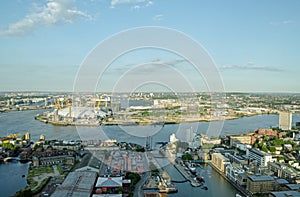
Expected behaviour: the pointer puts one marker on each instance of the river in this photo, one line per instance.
(217, 185)
(23, 121)
(11, 179)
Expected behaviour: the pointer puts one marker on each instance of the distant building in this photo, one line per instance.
(262, 158)
(53, 160)
(196, 143)
(243, 147)
(173, 138)
(219, 161)
(238, 159)
(206, 140)
(77, 184)
(260, 185)
(285, 120)
(115, 106)
(266, 132)
(283, 171)
(112, 185)
(236, 174)
(27, 136)
(240, 139)
(42, 137)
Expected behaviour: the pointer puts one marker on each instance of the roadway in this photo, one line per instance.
(138, 189)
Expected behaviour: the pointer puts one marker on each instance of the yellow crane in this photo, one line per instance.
(57, 103)
(97, 104)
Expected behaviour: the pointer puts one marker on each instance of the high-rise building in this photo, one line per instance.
(285, 120)
(27, 136)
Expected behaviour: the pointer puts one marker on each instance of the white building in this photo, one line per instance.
(236, 174)
(285, 120)
(173, 138)
(262, 158)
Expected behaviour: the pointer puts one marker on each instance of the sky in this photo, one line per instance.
(254, 44)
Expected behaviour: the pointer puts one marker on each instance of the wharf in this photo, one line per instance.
(187, 176)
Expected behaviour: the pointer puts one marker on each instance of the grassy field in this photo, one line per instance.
(36, 172)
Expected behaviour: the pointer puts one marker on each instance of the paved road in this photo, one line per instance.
(138, 190)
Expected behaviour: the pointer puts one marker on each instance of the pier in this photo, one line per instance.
(187, 176)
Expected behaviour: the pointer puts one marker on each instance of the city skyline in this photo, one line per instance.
(253, 44)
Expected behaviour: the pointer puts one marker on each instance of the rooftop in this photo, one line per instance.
(260, 178)
(293, 186)
(109, 182)
(282, 181)
(76, 184)
(258, 152)
(285, 194)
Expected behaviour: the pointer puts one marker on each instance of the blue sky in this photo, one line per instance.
(254, 44)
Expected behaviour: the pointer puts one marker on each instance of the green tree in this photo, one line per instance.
(264, 148)
(24, 193)
(187, 157)
(272, 149)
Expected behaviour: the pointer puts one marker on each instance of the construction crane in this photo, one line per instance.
(69, 107)
(57, 103)
(97, 104)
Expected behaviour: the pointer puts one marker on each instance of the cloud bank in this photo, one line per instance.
(53, 13)
(251, 66)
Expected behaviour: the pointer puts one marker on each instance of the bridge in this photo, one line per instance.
(11, 158)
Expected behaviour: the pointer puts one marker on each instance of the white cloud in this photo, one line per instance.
(136, 7)
(149, 3)
(138, 3)
(251, 66)
(54, 12)
(284, 22)
(115, 2)
(158, 17)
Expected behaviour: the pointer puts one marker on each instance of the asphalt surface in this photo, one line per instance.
(138, 190)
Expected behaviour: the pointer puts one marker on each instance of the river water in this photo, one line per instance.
(217, 185)
(23, 121)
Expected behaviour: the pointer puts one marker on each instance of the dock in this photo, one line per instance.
(187, 176)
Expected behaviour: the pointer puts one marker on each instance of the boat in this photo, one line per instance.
(193, 170)
(204, 187)
(238, 195)
(200, 178)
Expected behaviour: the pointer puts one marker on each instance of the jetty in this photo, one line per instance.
(189, 177)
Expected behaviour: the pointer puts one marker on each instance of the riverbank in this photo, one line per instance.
(241, 190)
(140, 122)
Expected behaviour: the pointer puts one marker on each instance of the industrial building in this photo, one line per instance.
(78, 184)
